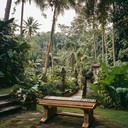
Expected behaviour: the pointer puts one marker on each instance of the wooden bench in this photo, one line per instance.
(50, 104)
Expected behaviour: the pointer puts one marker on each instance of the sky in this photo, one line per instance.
(34, 11)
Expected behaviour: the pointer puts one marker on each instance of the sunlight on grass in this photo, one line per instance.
(39, 108)
(5, 91)
(117, 116)
(3, 126)
(73, 110)
(31, 119)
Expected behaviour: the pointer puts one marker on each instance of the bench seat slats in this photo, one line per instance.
(66, 102)
(67, 105)
(69, 99)
(50, 104)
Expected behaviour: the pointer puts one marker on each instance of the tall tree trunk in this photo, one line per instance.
(94, 40)
(105, 46)
(113, 45)
(113, 40)
(106, 52)
(22, 15)
(103, 42)
(51, 40)
(7, 10)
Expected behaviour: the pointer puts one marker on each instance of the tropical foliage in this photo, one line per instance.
(13, 55)
(112, 86)
(49, 63)
(30, 27)
(120, 20)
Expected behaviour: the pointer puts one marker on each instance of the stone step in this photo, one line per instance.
(9, 110)
(6, 102)
(5, 96)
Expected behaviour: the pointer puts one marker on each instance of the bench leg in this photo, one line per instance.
(49, 112)
(88, 118)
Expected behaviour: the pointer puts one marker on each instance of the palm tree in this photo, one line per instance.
(22, 13)
(7, 10)
(103, 10)
(30, 26)
(87, 12)
(58, 7)
(113, 37)
(91, 6)
(94, 4)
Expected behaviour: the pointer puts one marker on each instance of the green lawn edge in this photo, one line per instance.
(119, 117)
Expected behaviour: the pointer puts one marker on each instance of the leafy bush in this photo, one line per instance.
(13, 55)
(27, 97)
(49, 89)
(70, 84)
(112, 87)
(53, 85)
(32, 87)
(28, 91)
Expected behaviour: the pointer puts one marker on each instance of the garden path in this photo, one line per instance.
(78, 94)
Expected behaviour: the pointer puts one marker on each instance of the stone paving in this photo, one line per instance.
(78, 94)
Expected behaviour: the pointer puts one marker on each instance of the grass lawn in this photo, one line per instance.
(104, 118)
(5, 90)
(118, 117)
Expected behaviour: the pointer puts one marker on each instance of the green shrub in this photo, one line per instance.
(70, 84)
(13, 55)
(26, 96)
(49, 89)
(52, 83)
(112, 87)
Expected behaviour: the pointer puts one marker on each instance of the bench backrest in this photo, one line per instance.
(68, 102)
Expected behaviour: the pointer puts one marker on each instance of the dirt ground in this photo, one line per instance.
(31, 120)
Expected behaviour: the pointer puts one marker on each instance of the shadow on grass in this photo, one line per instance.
(32, 119)
(70, 122)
